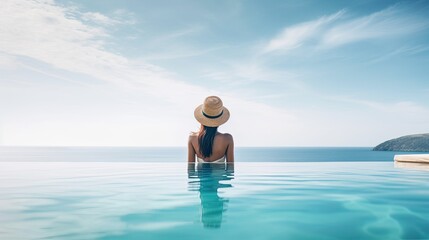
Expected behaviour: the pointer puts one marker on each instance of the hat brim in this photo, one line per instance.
(211, 122)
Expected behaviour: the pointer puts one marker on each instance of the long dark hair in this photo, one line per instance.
(205, 140)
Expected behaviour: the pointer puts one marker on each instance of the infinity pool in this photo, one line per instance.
(323, 200)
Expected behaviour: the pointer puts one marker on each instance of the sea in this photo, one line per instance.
(153, 193)
(179, 154)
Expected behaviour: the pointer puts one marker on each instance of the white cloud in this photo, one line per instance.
(295, 36)
(390, 22)
(179, 34)
(401, 51)
(339, 29)
(52, 34)
(43, 31)
(400, 108)
(99, 18)
(176, 53)
(7, 61)
(125, 16)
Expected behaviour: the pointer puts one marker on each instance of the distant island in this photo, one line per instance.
(409, 143)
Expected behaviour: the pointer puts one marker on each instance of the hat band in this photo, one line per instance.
(212, 117)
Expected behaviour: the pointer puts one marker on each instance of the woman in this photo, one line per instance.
(209, 145)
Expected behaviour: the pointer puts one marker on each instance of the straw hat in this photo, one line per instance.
(212, 113)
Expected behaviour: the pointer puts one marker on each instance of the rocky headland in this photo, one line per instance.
(409, 143)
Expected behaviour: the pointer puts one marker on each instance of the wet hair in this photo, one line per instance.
(205, 140)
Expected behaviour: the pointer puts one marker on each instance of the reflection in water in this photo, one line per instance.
(207, 178)
(412, 165)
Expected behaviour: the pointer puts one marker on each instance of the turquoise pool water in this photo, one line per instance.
(323, 200)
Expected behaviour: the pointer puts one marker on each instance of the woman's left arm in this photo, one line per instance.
(230, 150)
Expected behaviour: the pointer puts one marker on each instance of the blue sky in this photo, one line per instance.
(293, 73)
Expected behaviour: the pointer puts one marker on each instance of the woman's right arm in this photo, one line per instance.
(191, 151)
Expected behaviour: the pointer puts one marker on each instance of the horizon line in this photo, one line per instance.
(181, 146)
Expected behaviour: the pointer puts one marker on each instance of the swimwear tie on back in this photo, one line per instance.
(220, 160)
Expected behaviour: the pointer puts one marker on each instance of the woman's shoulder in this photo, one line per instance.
(193, 135)
(225, 136)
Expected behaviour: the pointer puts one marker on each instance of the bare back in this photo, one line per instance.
(223, 145)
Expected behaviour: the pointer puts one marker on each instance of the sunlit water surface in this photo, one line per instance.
(323, 200)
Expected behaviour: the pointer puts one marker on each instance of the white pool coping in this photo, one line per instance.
(414, 158)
